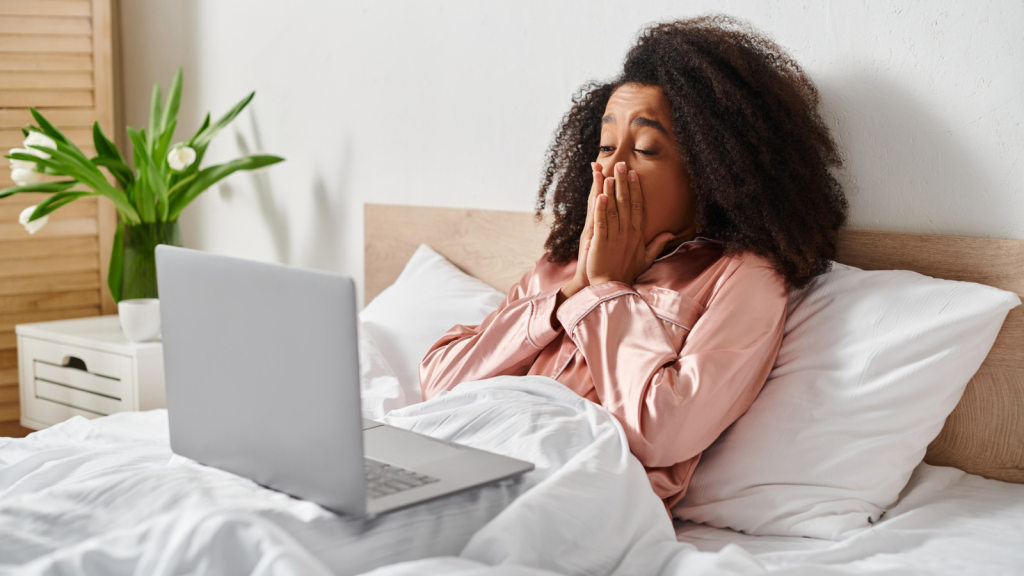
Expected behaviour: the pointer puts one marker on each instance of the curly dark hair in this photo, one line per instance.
(760, 157)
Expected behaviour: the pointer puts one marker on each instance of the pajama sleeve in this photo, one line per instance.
(674, 400)
(506, 343)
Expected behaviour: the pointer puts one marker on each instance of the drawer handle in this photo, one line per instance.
(74, 362)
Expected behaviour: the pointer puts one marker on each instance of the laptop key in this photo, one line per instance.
(384, 479)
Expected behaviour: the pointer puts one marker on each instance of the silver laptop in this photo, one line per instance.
(262, 376)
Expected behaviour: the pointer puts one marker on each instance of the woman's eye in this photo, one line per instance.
(610, 149)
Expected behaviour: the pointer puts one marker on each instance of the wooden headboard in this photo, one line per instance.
(985, 433)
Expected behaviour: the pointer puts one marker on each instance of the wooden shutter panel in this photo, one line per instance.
(56, 56)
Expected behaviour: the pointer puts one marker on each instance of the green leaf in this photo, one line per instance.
(207, 134)
(56, 201)
(130, 192)
(160, 152)
(69, 161)
(46, 127)
(42, 165)
(210, 176)
(23, 156)
(180, 186)
(142, 195)
(154, 112)
(114, 272)
(139, 150)
(160, 188)
(40, 162)
(110, 157)
(51, 167)
(40, 187)
(206, 124)
(74, 162)
(139, 157)
(170, 113)
(119, 169)
(104, 147)
(144, 199)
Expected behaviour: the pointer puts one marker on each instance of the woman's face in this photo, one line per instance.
(637, 129)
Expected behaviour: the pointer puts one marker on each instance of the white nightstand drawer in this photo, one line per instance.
(65, 380)
(47, 413)
(76, 378)
(85, 367)
(100, 363)
(75, 398)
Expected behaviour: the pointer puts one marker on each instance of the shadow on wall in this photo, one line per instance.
(274, 214)
(324, 239)
(904, 170)
(329, 216)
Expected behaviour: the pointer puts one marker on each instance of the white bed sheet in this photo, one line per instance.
(945, 522)
(108, 497)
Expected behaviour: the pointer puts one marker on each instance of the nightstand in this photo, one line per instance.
(85, 367)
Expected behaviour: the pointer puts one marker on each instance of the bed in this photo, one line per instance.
(106, 496)
(978, 436)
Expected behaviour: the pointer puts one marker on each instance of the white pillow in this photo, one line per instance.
(378, 386)
(430, 296)
(871, 365)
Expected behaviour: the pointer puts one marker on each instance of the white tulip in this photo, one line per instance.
(181, 157)
(33, 226)
(23, 171)
(24, 177)
(38, 139)
(21, 164)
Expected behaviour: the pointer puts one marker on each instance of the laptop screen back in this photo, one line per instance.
(262, 373)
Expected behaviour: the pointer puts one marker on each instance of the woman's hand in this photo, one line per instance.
(617, 251)
(580, 280)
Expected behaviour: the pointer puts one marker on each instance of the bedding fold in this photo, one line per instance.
(107, 496)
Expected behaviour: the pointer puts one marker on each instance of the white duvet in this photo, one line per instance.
(108, 497)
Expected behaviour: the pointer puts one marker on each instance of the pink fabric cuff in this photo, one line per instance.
(585, 301)
(539, 332)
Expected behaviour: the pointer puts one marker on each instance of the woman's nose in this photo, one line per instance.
(608, 166)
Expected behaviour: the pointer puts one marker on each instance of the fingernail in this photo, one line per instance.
(620, 167)
(632, 176)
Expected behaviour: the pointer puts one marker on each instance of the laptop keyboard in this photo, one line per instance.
(384, 479)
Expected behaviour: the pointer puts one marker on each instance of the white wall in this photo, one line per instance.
(453, 104)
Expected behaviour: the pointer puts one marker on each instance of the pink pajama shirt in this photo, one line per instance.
(677, 357)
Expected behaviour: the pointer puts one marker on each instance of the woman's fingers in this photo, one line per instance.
(601, 219)
(622, 200)
(636, 197)
(656, 246)
(611, 206)
(596, 188)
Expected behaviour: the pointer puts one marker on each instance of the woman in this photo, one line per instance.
(689, 196)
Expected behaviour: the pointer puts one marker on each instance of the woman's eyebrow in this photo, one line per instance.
(639, 121)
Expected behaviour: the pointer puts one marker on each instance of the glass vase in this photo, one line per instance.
(138, 272)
